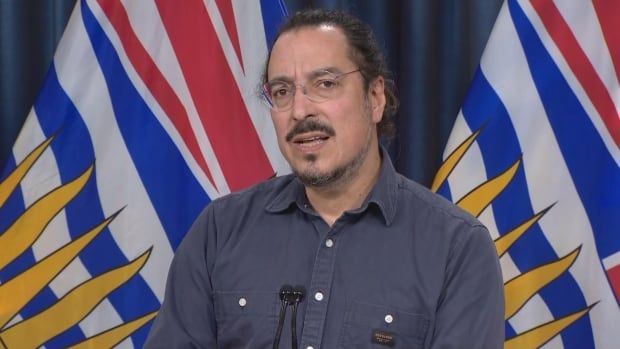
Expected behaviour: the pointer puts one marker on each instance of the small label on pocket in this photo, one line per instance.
(383, 338)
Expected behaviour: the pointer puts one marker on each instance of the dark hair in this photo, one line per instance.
(363, 50)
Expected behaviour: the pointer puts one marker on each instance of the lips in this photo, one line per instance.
(310, 143)
(309, 135)
(310, 138)
(307, 129)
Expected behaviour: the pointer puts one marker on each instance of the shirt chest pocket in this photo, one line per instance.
(373, 326)
(245, 319)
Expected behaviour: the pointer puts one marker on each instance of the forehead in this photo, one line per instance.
(300, 51)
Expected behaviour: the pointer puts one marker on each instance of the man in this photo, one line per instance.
(344, 252)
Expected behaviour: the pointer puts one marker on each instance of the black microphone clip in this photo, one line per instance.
(290, 295)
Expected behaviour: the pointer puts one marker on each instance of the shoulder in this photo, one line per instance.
(415, 196)
(467, 244)
(261, 193)
(228, 213)
(437, 218)
(248, 205)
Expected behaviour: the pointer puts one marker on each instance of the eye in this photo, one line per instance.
(326, 84)
(279, 91)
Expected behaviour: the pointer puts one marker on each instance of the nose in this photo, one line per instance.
(301, 104)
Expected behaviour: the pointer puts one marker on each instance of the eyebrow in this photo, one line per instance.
(310, 76)
(323, 71)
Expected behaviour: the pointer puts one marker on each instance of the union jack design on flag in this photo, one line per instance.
(148, 112)
(535, 154)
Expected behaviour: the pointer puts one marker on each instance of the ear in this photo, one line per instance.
(376, 96)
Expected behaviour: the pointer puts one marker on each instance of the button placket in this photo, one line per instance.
(320, 286)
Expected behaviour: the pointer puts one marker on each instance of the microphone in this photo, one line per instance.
(297, 295)
(288, 296)
(292, 295)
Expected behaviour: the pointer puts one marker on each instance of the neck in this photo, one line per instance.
(333, 200)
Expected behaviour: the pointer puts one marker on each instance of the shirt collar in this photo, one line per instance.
(383, 194)
(293, 192)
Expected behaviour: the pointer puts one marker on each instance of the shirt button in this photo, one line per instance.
(388, 318)
(329, 242)
(242, 302)
(318, 296)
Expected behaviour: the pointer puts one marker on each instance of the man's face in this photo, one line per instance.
(328, 141)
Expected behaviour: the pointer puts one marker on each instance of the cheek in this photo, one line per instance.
(279, 126)
(352, 120)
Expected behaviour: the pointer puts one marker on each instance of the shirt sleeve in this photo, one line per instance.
(186, 318)
(470, 311)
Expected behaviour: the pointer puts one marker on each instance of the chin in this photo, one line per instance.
(321, 177)
(308, 170)
(301, 162)
(310, 158)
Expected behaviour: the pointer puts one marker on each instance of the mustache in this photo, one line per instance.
(309, 125)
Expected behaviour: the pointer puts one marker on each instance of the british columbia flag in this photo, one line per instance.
(149, 111)
(535, 154)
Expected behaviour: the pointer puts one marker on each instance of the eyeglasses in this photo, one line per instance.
(323, 85)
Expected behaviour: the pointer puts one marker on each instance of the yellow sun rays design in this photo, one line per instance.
(523, 287)
(77, 303)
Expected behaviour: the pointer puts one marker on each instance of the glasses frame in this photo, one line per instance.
(267, 95)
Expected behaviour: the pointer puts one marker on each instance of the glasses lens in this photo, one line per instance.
(324, 88)
(279, 93)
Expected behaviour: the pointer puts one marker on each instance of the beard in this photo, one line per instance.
(313, 177)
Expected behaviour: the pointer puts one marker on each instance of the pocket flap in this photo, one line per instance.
(388, 318)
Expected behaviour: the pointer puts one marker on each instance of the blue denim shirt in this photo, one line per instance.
(408, 269)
